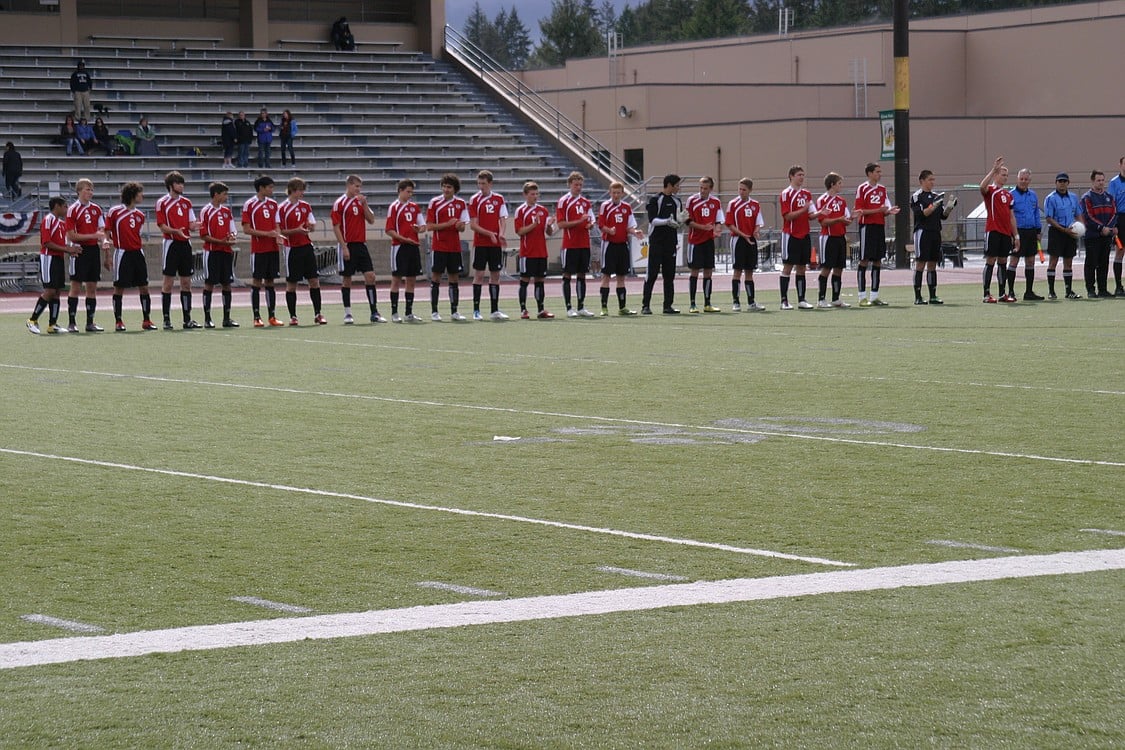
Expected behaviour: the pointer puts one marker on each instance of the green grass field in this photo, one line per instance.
(871, 438)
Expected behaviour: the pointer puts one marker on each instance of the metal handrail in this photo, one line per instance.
(567, 134)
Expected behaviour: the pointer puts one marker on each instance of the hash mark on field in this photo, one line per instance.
(72, 625)
(565, 415)
(641, 573)
(1110, 532)
(466, 590)
(279, 606)
(436, 508)
(970, 545)
(530, 609)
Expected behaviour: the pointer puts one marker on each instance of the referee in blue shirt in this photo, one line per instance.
(1025, 207)
(1061, 210)
(1116, 188)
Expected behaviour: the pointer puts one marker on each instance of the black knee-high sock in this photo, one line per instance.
(1028, 279)
(917, 283)
(692, 286)
(931, 282)
(580, 287)
(540, 295)
(409, 303)
(566, 292)
(291, 302)
(117, 307)
(146, 306)
(822, 287)
(750, 291)
(40, 305)
(837, 283)
(861, 280)
(256, 301)
(734, 286)
(207, 296)
(314, 297)
(394, 303)
(53, 308)
(226, 304)
(454, 296)
(476, 296)
(605, 296)
(494, 296)
(801, 288)
(784, 283)
(1051, 280)
(372, 301)
(185, 305)
(1068, 279)
(91, 308)
(707, 287)
(346, 296)
(72, 309)
(523, 294)
(621, 297)
(1117, 272)
(166, 304)
(271, 301)
(1010, 275)
(434, 289)
(876, 273)
(987, 279)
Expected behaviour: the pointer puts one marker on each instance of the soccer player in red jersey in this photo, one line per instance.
(124, 223)
(350, 216)
(446, 216)
(218, 234)
(404, 219)
(796, 246)
(85, 227)
(872, 207)
(616, 222)
(53, 247)
(488, 214)
(533, 224)
(744, 217)
(575, 216)
(176, 219)
(1001, 235)
(296, 218)
(259, 220)
(834, 217)
(704, 222)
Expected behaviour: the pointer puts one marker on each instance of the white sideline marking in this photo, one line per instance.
(437, 508)
(352, 624)
(1111, 532)
(970, 545)
(56, 622)
(583, 417)
(640, 573)
(467, 590)
(963, 384)
(279, 606)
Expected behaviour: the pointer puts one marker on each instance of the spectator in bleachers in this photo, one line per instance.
(244, 136)
(341, 36)
(228, 135)
(265, 128)
(13, 170)
(145, 137)
(287, 129)
(68, 136)
(104, 139)
(80, 84)
(86, 134)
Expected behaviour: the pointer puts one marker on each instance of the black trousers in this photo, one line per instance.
(661, 261)
(1096, 267)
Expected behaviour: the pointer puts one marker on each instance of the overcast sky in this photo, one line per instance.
(531, 11)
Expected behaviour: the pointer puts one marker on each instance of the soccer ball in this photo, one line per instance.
(1078, 228)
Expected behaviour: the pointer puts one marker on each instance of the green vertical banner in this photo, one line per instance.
(887, 134)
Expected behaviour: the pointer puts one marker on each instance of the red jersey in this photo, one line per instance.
(261, 215)
(534, 243)
(615, 220)
(85, 218)
(403, 218)
(348, 214)
(216, 221)
(175, 211)
(796, 199)
(745, 215)
(292, 215)
(440, 211)
(124, 226)
(53, 229)
(868, 197)
(487, 211)
(703, 211)
(571, 208)
(830, 206)
(998, 204)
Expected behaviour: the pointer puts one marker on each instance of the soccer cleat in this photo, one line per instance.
(711, 309)
(988, 299)
(785, 305)
(396, 318)
(498, 316)
(1052, 296)
(458, 317)
(168, 325)
(604, 313)
(348, 319)
(72, 328)
(525, 315)
(877, 302)
(840, 303)
(671, 311)
(294, 322)
(544, 315)
(93, 328)
(119, 327)
(1073, 295)
(228, 323)
(275, 323)
(377, 318)
(259, 323)
(823, 304)
(320, 320)
(921, 301)
(148, 325)
(477, 315)
(936, 301)
(584, 313)
(33, 326)
(412, 318)
(208, 324)
(53, 329)
(865, 302)
(625, 312)
(1105, 295)
(804, 305)
(736, 307)
(646, 310)
(693, 310)
(571, 312)
(1032, 297)
(1119, 292)
(191, 325)
(755, 307)
(1007, 298)
(436, 317)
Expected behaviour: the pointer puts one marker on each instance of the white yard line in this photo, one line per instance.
(353, 624)
(1109, 532)
(56, 622)
(436, 508)
(466, 590)
(970, 545)
(581, 417)
(640, 573)
(267, 604)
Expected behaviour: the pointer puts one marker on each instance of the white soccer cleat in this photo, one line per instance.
(840, 303)
(396, 318)
(348, 319)
(584, 313)
(436, 317)
(571, 312)
(823, 304)
(804, 305)
(458, 317)
(498, 316)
